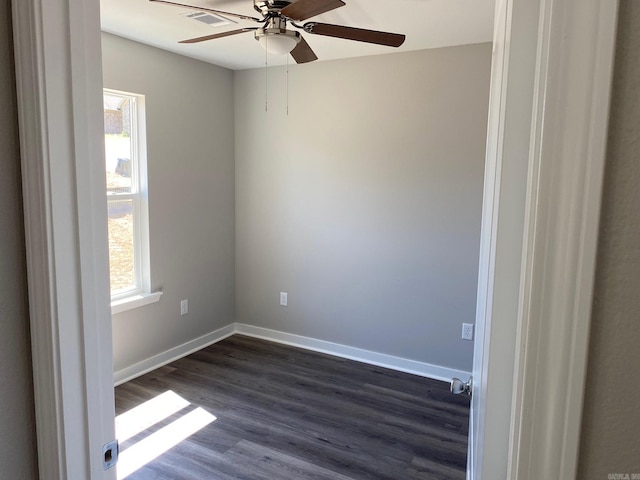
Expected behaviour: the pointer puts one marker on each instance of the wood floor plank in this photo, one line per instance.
(323, 427)
(288, 413)
(428, 469)
(275, 464)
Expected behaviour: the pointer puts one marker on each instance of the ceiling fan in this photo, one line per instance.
(276, 14)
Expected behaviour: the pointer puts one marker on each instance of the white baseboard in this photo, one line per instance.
(423, 369)
(173, 354)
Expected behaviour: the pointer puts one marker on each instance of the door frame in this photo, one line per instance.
(548, 120)
(59, 89)
(59, 82)
(576, 51)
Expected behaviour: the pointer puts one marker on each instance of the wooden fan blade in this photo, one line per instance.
(357, 34)
(205, 9)
(303, 9)
(303, 53)
(217, 35)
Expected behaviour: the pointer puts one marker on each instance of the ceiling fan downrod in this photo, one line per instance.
(270, 7)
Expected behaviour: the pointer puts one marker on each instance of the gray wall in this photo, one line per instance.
(17, 441)
(611, 423)
(364, 202)
(189, 107)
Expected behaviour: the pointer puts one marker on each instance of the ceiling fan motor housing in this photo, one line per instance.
(265, 7)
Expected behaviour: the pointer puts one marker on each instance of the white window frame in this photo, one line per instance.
(140, 294)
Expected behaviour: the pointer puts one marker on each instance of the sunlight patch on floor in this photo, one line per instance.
(140, 418)
(147, 414)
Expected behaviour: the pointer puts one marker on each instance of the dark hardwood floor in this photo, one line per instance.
(287, 413)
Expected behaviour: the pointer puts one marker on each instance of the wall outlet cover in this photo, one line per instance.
(467, 331)
(284, 299)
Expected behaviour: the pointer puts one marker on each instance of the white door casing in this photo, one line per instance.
(551, 83)
(59, 86)
(59, 89)
(509, 127)
(576, 49)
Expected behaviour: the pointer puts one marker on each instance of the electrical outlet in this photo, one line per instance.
(283, 299)
(184, 307)
(467, 331)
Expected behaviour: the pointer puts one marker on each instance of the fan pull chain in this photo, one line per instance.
(287, 85)
(266, 77)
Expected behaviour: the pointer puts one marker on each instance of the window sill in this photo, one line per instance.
(134, 301)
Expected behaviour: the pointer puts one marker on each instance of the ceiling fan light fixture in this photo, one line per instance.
(277, 41)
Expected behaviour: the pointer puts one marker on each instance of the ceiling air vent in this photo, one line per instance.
(208, 18)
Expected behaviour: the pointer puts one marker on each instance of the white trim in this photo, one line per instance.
(173, 354)
(575, 65)
(422, 369)
(501, 250)
(488, 235)
(352, 353)
(41, 277)
(134, 301)
(59, 80)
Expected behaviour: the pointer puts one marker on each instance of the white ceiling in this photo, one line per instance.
(426, 23)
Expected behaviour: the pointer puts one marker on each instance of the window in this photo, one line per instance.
(126, 188)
